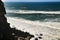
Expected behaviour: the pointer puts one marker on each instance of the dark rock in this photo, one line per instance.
(40, 37)
(7, 33)
(36, 38)
(20, 33)
(41, 34)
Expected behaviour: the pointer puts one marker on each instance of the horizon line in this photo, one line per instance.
(21, 1)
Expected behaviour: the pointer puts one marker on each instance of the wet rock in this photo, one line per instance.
(40, 37)
(36, 38)
(41, 34)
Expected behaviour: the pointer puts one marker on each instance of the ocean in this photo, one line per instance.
(41, 11)
(35, 18)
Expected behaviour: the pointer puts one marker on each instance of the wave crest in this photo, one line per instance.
(32, 12)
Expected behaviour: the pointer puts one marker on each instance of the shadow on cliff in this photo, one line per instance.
(7, 33)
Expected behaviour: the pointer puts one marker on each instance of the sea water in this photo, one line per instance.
(35, 18)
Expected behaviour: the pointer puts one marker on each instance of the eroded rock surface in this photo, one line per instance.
(7, 33)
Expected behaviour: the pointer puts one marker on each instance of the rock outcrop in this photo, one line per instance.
(7, 33)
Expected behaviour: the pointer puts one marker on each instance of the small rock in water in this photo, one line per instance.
(41, 34)
(40, 37)
(36, 38)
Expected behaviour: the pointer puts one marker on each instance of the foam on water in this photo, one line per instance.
(50, 30)
(32, 11)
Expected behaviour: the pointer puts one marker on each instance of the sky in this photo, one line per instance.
(31, 0)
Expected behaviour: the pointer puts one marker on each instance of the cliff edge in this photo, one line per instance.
(7, 33)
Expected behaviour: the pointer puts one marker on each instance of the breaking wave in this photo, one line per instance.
(32, 12)
(50, 30)
(47, 24)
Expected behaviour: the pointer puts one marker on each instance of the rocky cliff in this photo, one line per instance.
(7, 33)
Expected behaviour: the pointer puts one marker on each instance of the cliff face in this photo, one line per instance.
(7, 33)
(4, 26)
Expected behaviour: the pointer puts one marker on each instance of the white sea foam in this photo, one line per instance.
(50, 30)
(52, 20)
(31, 12)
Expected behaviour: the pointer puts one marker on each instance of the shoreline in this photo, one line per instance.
(28, 26)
